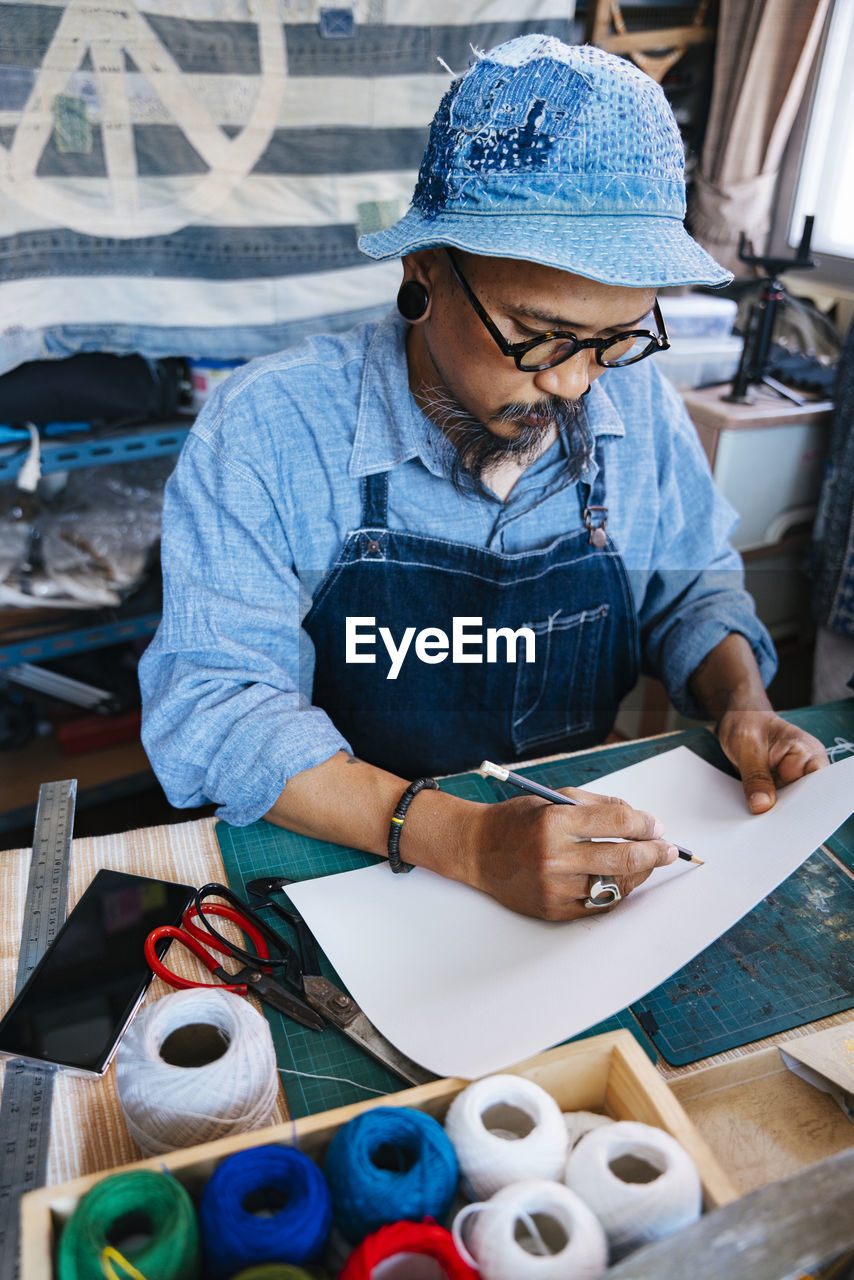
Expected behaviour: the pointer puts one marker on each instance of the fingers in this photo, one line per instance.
(578, 889)
(539, 858)
(768, 751)
(744, 738)
(800, 755)
(603, 818)
(627, 864)
(636, 858)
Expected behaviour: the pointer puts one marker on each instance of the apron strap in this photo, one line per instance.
(594, 513)
(375, 501)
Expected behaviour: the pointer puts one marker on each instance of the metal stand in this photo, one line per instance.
(752, 369)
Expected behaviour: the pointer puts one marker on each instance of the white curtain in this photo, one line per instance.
(764, 52)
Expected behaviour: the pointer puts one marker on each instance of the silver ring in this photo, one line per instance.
(603, 892)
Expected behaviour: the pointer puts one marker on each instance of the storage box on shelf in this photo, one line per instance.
(703, 348)
(608, 1073)
(767, 458)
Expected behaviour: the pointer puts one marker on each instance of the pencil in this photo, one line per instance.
(490, 770)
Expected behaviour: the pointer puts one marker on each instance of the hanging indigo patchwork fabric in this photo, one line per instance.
(833, 532)
(191, 180)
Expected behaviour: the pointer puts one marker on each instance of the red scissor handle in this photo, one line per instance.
(191, 915)
(199, 941)
(186, 940)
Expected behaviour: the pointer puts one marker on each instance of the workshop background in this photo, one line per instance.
(182, 185)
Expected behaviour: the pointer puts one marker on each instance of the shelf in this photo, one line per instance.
(71, 454)
(101, 775)
(43, 648)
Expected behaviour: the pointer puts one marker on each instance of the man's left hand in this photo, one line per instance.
(768, 752)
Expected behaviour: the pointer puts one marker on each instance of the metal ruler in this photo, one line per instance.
(27, 1089)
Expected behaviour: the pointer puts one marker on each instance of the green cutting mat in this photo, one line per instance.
(786, 963)
(324, 1069)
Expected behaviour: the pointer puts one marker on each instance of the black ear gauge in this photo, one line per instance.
(412, 300)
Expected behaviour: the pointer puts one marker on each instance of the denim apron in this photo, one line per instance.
(448, 716)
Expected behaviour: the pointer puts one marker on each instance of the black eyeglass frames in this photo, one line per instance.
(549, 349)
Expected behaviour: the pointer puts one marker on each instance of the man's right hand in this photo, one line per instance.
(538, 858)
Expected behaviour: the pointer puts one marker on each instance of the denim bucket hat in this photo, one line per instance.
(558, 154)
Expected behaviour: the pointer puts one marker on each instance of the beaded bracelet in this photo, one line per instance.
(397, 821)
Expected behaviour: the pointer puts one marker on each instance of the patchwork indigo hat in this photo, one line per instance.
(558, 154)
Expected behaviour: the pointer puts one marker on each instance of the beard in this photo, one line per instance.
(477, 449)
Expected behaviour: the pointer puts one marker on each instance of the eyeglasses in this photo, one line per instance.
(549, 349)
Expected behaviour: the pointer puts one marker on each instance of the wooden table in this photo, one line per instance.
(760, 1120)
(87, 1129)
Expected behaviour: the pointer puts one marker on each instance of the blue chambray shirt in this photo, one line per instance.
(267, 487)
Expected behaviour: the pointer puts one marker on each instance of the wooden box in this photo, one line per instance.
(761, 1119)
(608, 1073)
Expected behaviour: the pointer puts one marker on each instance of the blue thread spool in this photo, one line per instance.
(277, 1181)
(389, 1164)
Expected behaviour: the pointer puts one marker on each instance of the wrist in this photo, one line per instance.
(437, 834)
(728, 679)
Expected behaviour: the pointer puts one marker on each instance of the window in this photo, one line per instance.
(818, 169)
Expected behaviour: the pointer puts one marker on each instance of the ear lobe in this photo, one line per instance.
(413, 300)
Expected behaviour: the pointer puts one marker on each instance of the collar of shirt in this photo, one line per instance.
(384, 440)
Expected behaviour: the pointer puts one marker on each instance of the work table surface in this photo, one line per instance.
(87, 1129)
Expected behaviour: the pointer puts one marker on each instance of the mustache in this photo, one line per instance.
(477, 449)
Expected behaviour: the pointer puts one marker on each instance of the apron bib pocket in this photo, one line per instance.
(555, 697)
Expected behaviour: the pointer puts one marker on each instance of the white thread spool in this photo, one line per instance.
(505, 1129)
(580, 1122)
(534, 1230)
(641, 1184)
(218, 1075)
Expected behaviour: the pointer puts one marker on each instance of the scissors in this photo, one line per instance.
(302, 973)
(250, 978)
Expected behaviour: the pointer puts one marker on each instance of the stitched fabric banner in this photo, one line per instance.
(189, 177)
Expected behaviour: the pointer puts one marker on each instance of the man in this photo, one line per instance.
(462, 533)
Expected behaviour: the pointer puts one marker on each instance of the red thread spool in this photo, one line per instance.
(426, 1239)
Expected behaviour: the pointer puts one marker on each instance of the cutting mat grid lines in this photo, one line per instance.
(789, 962)
(261, 849)
(716, 1003)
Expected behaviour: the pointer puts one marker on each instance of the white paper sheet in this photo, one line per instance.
(466, 987)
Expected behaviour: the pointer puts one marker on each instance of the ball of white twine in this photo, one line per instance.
(168, 1106)
(641, 1184)
(580, 1122)
(504, 1129)
(534, 1230)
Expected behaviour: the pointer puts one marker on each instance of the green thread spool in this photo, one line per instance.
(147, 1215)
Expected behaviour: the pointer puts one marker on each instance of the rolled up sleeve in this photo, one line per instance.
(225, 720)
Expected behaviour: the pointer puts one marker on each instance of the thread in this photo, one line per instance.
(408, 1251)
(580, 1122)
(195, 1066)
(388, 1164)
(110, 1258)
(504, 1129)
(279, 1182)
(145, 1217)
(641, 1184)
(533, 1230)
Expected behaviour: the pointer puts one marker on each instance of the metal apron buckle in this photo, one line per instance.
(596, 535)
